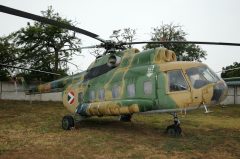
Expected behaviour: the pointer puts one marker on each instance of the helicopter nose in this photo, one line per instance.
(219, 92)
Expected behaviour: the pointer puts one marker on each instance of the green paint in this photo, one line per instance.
(138, 69)
(165, 102)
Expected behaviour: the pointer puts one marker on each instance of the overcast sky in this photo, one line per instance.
(203, 20)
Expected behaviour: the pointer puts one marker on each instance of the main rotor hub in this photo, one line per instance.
(110, 45)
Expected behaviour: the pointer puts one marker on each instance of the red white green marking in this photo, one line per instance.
(70, 97)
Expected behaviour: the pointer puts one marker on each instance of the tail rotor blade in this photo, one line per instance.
(5, 65)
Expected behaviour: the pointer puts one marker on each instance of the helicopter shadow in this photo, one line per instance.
(115, 126)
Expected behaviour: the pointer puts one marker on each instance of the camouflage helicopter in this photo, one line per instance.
(123, 81)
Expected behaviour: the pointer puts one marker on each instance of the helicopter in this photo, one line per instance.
(122, 81)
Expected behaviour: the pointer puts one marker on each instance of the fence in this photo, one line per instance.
(13, 91)
(233, 95)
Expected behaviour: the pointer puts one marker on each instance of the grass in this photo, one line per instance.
(34, 131)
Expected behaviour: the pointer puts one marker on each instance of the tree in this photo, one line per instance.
(8, 56)
(46, 47)
(171, 32)
(231, 71)
(124, 35)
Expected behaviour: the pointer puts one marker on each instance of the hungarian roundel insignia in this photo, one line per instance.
(70, 97)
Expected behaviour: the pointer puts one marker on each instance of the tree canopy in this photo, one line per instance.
(8, 55)
(231, 71)
(124, 35)
(46, 47)
(171, 32)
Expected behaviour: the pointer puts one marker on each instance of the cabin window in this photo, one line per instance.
(91, 95)
(201, 76)
(147, 86)
(101, 94)
(176, 81)
(131, 90)
(115, 91)
(80, 97)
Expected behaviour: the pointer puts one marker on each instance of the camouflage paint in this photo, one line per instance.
(135, 68)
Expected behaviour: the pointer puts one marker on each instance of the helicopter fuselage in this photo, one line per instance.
(130, 82)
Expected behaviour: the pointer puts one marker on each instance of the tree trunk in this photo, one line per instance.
(56, 61)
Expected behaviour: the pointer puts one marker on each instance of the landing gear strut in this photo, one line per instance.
(174, 129)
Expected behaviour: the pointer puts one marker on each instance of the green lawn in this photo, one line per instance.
(34, 131)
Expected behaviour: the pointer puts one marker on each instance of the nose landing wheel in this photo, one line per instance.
(174, 129)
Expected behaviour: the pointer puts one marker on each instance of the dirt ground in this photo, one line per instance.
(34, 131)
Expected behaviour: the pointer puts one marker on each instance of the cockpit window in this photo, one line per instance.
(201, 76)
(176, 81)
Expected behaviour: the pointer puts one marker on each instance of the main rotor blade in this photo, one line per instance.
(181, 42)
(5, 65)
(231, 79)
(27, 15)
(91, 47)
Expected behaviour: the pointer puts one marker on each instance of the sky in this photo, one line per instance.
(205, 20)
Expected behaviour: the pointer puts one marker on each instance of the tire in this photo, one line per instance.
(174, 130)
(67, 122)
(126, 118)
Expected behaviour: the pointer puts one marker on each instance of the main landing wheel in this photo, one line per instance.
(126, 118)
(67, 122)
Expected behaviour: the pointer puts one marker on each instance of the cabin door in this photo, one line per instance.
(178, 89)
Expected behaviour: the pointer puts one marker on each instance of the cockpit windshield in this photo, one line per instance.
(201, 76)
